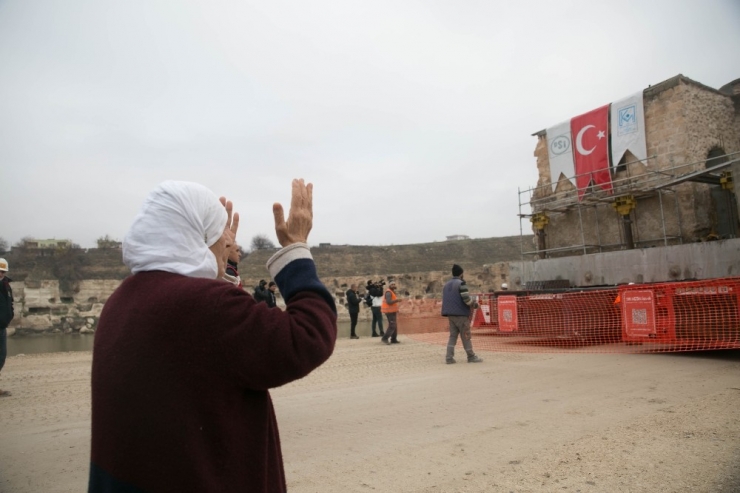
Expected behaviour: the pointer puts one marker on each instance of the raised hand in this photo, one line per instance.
(232, 226)
(300, 218)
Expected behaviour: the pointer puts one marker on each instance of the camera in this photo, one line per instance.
(375, 288)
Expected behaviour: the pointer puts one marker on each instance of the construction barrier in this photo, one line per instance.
(657, 317)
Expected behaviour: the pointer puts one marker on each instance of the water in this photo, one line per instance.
(56, 343)
(49, 343)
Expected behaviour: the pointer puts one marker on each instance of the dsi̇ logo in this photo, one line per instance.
(560, 145)
(627, 122)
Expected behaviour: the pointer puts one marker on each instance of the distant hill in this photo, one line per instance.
(68, 265)
(373, 261)
(331, 261)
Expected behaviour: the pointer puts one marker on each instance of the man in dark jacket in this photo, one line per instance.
(260, 292)
(6, 314)
(353, 307)
(456, 304)
(270, 298)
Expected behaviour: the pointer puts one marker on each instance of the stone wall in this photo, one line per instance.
(705, 260)
(418, 285)
(684, 120)
(40, 306)
(44, 304)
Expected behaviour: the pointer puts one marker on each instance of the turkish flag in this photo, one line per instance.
(590, 150)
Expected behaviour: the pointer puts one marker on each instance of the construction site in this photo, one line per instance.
(646, 261)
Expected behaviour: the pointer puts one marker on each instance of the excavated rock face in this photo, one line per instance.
(46, 304)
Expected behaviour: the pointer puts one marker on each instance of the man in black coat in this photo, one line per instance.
(270, 295)
(353, 307)
(260, 292)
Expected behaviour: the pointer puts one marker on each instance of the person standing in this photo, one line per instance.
(270, 298)
(183, 361)
(232, 266)
(456, 304)
(353, 307)
(6, 315)
(260, 292)
(376, 293)
(390, 306)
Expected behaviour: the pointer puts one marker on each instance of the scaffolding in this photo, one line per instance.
(627, 189)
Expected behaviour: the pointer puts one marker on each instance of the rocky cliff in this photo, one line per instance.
(65, 291)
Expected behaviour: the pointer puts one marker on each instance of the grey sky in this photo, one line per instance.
(412, 119)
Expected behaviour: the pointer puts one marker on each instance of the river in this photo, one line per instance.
(55, 343)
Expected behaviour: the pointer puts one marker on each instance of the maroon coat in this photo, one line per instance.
(181, 368)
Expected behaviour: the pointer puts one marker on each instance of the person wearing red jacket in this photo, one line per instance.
(183, 361)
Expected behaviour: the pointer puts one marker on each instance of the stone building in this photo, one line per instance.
(44, 248)
(51, 244)
(683, 192)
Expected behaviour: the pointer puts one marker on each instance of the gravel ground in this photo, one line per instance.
(397, 419)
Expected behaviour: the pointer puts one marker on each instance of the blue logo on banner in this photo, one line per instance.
(627, 120)
(560, 145)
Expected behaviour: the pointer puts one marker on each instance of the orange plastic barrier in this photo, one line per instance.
(660, 317)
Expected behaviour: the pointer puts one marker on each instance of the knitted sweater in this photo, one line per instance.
(180, 379)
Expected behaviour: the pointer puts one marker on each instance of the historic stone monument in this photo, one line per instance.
(683, 192)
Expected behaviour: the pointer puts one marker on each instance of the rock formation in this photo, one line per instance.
(66, 292)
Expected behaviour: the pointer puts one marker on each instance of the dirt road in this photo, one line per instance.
(397, 419)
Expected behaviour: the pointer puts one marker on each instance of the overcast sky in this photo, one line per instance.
(413, 119)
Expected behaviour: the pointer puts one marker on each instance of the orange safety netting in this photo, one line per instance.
(634, 318)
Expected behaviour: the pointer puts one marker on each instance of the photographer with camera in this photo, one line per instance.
(375, 298)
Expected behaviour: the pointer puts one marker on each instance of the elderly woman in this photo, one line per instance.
(183, 360)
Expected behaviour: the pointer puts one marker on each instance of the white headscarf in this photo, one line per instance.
(173, 230)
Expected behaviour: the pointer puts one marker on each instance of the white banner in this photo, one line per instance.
(560, 152)
(628, 128)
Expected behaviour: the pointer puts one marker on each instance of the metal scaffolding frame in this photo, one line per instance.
(652, 183)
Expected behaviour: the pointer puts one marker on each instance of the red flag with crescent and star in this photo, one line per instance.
(590, 149)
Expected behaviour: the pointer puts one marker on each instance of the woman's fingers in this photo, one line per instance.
(235, 223)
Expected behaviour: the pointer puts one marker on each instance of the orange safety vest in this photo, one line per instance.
(386, 308)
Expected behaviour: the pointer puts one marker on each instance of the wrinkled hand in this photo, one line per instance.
(232, 226)
(234, 255)
(300, 218)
